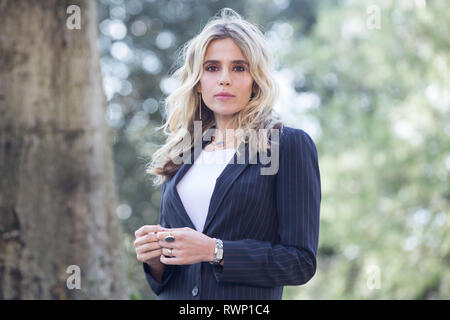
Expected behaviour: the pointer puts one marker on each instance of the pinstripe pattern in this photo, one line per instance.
(269, 225)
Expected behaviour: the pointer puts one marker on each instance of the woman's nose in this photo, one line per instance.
(224, 78)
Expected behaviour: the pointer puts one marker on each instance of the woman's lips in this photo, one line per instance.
(218, 97)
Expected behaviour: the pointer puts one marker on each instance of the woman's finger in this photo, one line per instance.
(168, 261)
(151, 237)
(148, 247)
(149, 255)
(162, 235)
(146, 229)
(169, 252)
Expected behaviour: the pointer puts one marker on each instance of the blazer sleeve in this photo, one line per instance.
(156, 286)
(292, 261)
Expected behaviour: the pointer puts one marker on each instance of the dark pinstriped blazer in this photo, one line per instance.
(269, 225)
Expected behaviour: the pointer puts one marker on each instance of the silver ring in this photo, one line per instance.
(170, 251)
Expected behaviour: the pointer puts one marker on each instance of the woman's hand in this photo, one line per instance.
(189, 247)
(147, 247)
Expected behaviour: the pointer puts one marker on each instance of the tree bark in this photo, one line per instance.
(57, 194)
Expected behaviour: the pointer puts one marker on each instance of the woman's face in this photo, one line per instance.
(225, 70)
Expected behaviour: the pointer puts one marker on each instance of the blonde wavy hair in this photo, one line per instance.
(184, 105)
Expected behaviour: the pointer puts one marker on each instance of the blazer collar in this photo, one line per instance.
(223, 183)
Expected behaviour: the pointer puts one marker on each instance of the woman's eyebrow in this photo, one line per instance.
(234, 61)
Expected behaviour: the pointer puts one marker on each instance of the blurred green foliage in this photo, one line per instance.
(369, 82)
(384, 148)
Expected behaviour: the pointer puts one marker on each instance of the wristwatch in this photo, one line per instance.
(218, 253)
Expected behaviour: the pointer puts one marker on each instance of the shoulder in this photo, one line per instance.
(295, 138)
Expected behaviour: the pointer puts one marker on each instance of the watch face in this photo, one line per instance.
(220, 254)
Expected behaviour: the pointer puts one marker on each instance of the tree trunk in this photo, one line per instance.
(57, 195)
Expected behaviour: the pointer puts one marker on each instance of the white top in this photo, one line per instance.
(197, 185)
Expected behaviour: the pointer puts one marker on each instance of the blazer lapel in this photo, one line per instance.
(180, 215)
(223, 183)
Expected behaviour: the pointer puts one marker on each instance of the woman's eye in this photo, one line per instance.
(238, 68)
(241, 68)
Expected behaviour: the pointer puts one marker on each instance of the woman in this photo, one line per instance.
(230, 231)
